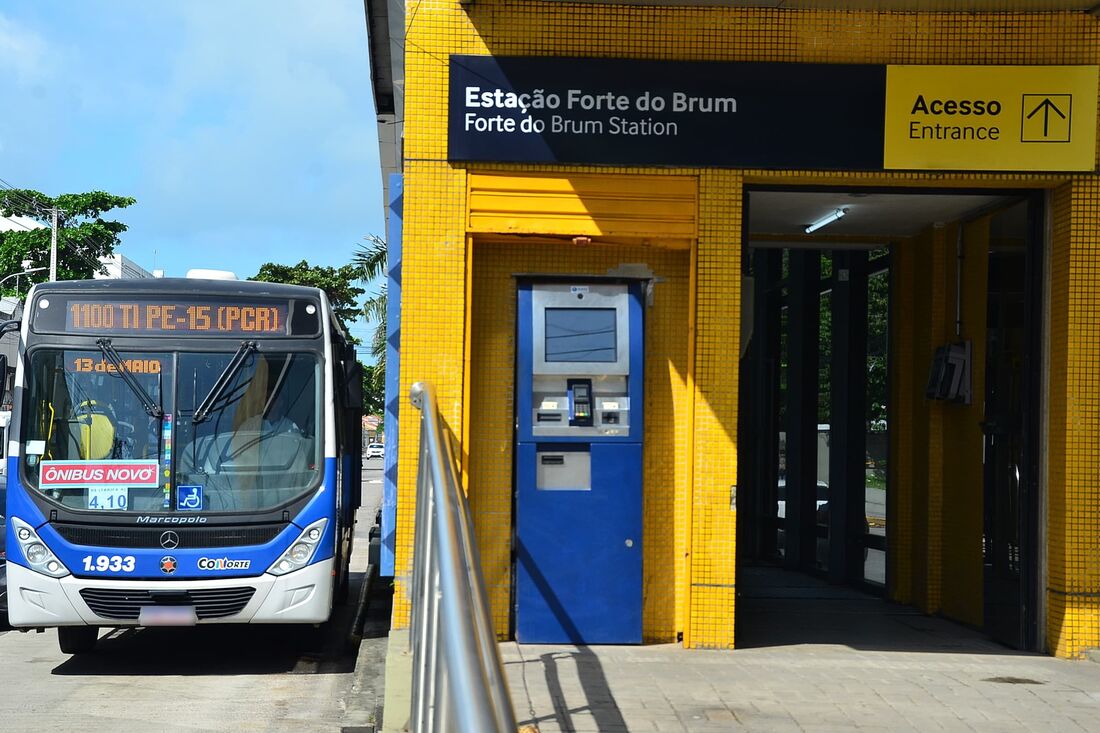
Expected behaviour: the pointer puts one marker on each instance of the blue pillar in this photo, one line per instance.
(393, 373)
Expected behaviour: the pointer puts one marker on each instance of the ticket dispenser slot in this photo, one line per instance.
(559, 470)
(578, 457)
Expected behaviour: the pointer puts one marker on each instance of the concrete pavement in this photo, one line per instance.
(798, 688)
(811, 657)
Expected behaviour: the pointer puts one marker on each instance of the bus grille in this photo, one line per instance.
(141, 537)
(126, 604)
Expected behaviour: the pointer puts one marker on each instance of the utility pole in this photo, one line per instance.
(53, 245)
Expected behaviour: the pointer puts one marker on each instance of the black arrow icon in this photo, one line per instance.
(1046, 106)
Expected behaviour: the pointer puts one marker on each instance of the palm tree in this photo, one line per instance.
(371, 261)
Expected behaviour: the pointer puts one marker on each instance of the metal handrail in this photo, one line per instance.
(458, 679)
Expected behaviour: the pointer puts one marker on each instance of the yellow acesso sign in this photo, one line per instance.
(991, 118)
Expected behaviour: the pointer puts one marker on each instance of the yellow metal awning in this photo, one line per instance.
(635, 207)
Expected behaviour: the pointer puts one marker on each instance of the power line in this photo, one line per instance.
(96, 265)
(85, 240)
(22, 198)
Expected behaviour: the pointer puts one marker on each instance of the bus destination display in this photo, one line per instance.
(182, 317)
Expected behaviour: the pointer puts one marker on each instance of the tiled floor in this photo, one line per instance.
(811, 657)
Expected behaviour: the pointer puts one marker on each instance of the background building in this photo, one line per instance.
(121, 267)
(531, 145)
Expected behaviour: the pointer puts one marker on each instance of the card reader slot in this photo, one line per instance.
(552, 460)
(548, 416)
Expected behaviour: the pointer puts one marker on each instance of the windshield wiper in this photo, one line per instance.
(227, 375)
(151, 407)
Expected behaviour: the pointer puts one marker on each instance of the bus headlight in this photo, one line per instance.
(301, 550)
(35, 552)
(40, 558)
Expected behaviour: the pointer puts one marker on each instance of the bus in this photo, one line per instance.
(181, 451)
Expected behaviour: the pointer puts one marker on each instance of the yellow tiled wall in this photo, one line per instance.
(962, 435)
(713, 566)
(432, 324)
(703, 568)
(935, 517)
(1073, 454)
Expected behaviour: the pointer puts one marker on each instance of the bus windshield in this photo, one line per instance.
(84, 416)
(97, 439)
(256, 446)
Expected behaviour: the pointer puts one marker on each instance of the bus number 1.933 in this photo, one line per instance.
(109, 563)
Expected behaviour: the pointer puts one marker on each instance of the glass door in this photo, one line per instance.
(1011, 401)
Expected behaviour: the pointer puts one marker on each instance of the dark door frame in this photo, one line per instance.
(756, 392)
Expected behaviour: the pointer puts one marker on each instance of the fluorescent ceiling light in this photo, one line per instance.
(827, 219)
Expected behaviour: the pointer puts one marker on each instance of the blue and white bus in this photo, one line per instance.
(182, 451)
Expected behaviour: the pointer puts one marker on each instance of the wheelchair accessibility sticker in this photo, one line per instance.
(188, 498)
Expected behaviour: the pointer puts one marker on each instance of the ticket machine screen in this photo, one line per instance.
(580, 334)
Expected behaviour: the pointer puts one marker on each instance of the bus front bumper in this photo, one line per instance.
(303, 596)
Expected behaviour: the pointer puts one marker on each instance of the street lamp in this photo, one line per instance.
(17, 274)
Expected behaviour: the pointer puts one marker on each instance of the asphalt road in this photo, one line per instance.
(207, 678)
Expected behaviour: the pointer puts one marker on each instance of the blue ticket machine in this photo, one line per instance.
(578, 456)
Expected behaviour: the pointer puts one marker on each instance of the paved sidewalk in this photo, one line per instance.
(797, 688)
(811, 657)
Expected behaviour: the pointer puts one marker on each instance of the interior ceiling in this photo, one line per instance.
(886, 215)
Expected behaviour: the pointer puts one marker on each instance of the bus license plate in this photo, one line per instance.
(107, 497)
(167, 616)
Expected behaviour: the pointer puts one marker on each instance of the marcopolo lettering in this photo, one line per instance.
(222, 563)
(150, 519)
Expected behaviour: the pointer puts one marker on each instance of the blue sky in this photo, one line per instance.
(244, 129)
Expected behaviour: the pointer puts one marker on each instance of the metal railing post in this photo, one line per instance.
(458, 677)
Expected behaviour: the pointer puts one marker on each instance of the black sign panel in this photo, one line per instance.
(630, 112)
(142, 315)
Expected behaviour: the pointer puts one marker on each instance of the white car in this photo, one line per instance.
(376, 450)
(822, 497)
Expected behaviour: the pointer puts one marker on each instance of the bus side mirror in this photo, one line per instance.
(3, 376)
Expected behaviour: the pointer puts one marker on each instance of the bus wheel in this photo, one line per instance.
(342, 587)
(77, 639)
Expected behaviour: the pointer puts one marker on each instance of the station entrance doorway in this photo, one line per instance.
(890, 388)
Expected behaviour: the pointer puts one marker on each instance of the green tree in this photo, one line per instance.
(878, 347)
(83, 234)
(336, 282)
(370, 259)
(374, 389)
(878, 307)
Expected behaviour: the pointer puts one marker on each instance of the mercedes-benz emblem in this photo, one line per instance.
(169, 540)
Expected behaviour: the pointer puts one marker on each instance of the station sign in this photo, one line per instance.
(638, 112)
(996, 118)
(771, 115)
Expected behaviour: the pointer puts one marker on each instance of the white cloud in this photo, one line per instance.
(264, 113)
(25, 57)
(230, 122)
